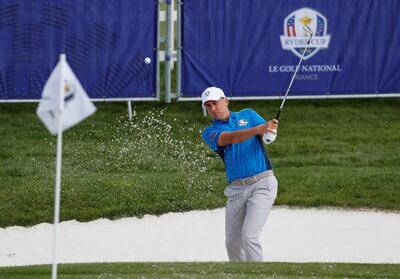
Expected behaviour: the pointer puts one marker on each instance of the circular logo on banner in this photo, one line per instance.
(295, 37)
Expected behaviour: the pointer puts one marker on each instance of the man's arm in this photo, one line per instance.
(227, 138)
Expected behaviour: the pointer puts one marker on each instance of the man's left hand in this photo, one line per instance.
(272, 126)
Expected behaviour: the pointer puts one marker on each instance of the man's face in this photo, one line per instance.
(218, 109)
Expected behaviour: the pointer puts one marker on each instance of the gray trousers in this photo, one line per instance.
(246, 212)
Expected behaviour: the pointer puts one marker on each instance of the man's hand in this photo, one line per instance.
(271, 127)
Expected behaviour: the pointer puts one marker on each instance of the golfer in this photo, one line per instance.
(252, 186)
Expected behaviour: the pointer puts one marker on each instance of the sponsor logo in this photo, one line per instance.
(295, 38)
(242, 122)
(69, 91)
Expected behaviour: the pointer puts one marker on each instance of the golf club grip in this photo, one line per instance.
(278, 114)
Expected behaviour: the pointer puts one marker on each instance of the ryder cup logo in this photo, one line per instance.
(242, 122)
(69, 91)
(295, 37)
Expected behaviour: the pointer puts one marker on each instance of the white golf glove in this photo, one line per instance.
(269, 137)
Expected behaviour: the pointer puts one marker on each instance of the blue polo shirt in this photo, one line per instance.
(241, 159)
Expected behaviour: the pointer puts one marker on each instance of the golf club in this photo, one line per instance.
(270, 137)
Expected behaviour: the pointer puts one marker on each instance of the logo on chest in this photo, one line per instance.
(242, 122)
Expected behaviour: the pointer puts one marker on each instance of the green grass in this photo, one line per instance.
(343, 153)
(206, 270)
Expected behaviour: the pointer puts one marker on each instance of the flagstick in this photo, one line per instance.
(57, 193)
(57, 196)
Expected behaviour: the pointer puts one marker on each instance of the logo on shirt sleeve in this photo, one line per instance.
(212, 136)
(242, 122)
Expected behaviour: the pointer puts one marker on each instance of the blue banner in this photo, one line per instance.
(105, 41)
(251, 48)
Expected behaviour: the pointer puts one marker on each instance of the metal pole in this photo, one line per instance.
(57, 196)
(168, 53)
(57, 190)
(179, 50)
(157, 49)
(129, 110)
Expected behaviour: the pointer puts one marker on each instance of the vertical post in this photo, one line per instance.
(172, 33)
(179, 49)
(157, 50)
(129, 110)
(57, 196)
(168, 52)
(57, 190)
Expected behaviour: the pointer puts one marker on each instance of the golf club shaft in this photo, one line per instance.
(293, 77)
